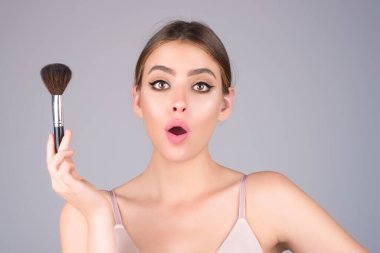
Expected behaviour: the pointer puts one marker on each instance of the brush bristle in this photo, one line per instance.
(56, 76)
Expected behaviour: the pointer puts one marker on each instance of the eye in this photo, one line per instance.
(159, 85)
(202, 87)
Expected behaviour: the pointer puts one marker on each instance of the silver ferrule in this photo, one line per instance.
(57, 104)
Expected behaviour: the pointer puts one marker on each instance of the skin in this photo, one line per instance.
(184, 201)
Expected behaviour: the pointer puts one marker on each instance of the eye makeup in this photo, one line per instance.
(199, 87)
(159, 85)
(202, 87)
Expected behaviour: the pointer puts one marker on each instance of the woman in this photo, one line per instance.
(184, 201)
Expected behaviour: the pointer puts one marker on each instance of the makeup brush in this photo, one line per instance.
(56, 76)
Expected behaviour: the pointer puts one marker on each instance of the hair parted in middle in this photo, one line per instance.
(194, 32)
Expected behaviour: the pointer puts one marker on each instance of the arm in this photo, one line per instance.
(87, 224)
(297, 220)
(79, 235)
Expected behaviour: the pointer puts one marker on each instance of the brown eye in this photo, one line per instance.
(159, 85)
(202, 87)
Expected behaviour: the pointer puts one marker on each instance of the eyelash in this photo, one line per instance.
(208, 87)
(156, 86)
(158, 82)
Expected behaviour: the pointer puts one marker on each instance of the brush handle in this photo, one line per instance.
(58, 135)
(57, 105)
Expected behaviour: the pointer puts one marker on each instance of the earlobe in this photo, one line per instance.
(136, 101)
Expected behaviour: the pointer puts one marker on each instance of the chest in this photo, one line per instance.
(199, 227)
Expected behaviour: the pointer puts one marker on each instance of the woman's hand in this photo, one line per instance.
(69, 184)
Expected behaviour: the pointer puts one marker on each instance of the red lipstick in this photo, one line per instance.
(176, 131)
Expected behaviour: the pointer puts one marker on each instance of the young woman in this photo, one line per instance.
(184, 201)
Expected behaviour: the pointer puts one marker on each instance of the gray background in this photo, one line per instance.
(307, 79)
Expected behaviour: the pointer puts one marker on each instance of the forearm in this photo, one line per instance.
(90, 233)
(101, 235)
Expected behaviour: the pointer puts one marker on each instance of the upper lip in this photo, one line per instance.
(176, 123)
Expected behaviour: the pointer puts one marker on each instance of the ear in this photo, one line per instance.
(227, 104)
(136, 101)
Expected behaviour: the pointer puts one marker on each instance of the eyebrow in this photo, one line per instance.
(191, 72)
(200, 71)
(162, 68)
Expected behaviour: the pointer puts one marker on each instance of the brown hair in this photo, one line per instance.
(194, 32)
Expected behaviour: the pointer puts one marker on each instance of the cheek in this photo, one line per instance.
(153, 111)
(151, 103)
(206, 110)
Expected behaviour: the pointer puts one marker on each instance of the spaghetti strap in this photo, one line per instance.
(242, 198)
(115, 208)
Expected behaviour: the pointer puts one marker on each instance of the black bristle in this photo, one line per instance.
(56, 76)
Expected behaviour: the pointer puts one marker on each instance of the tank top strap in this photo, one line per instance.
(115, 208)
(242, 198)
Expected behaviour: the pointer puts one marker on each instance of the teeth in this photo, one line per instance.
(177, 130)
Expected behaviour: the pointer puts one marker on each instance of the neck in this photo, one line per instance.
(174, 182)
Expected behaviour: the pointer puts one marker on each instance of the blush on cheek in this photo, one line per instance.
(205, 117)
(206, 108)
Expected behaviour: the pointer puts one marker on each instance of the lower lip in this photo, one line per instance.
(176, 139)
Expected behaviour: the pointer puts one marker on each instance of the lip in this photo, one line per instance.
(176, 139)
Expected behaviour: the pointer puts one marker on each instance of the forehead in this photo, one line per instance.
(181, 55)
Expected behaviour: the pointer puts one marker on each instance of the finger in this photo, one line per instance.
(56, 182)
(58, 159)
(66, 140)
(71, 179)
(50, 151)
(66, 175)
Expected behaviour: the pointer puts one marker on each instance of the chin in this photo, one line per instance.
(177, 155)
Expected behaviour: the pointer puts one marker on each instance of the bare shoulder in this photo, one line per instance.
(272, 188)
(266, 180)
(272, 194)
(73, 228)
(263, 201)
(283, 214)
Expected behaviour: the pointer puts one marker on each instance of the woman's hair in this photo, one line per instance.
(196, 33)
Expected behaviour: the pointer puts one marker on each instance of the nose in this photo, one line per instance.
(179, 106)
(179, 102)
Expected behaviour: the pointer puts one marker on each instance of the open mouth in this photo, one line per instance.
(177, 130)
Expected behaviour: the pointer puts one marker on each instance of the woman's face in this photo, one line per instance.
(181, 99)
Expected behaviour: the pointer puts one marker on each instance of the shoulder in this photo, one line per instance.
(266, 177)
(262, 178)
(268, 193)
(272, 184)
(272, 187)
(275, 198)
(282, 212)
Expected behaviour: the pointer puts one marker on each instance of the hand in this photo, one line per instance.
(69, 184)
